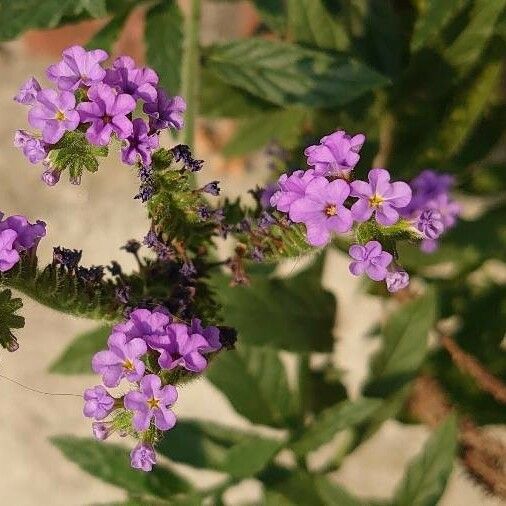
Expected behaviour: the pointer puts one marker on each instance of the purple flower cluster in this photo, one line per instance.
(18, 235)
(142, 350)
(432, 210)
(102, 101)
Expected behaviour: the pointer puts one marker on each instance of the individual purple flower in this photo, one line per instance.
(32, 147)
(78, 67)
(291, 188)
(51, 176)
(152, 401)
(396, 280)
(54, 114)
(28, 235)
(370, 259)
(28, 92)
(379, 196)
(102, 430)
(336, 155)
(322, 210)
(179, 347)
(9, 257)
(448, 209)
(211, 335)
(97, 403)
(121, 360)
(430, 223)
(144, 324)
(139, 144)
(165, 111)
(107, 113)
(143, 457)
(135, 81)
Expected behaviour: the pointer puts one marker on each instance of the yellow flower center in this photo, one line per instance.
(59, 116)
(153, 403)
(376, 200)
(128, 365)
(330, 210)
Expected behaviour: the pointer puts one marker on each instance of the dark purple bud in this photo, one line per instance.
(212, 188)
(204, 213)
(188, 269)
(257, 254)
(228, 337)
(115, 268)
(68, 258)
(122, 294)
(145, 173)
(91, 275)
(51, 176)
(266, 220)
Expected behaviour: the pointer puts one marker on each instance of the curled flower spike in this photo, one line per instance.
(370, 259)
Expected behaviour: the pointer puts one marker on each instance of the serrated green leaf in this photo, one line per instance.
(9, 319)
(164, 41)
(284, 74)
(76, 359)
(344, 415)
(404, 346)
(111, 463)
(255, 382)
(294, 313)
(427, 474)
(284, 126)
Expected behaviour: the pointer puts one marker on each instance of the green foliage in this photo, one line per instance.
(9, 319)
(76, 359)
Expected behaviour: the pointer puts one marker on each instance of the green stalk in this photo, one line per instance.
(190, 71)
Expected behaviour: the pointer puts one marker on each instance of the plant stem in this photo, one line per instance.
(191, 74)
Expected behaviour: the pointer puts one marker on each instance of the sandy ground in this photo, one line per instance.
(98, 217)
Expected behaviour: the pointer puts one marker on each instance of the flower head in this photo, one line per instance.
(322, 210)
(28, 235)
(396, 280)
(33, 148)
(107, 113)
(54, 114)
(165, 111)
(143, 457)
(336, 155)
(78, 67)
(28, 92)
(97, 402)
(290, 188)
(380, 197)
(9, 257)
(139, 144)
(370, 259)
(140, 83)
(152, 401)
(121, 360)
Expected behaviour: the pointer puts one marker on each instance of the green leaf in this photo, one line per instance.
(427, 474)
(283, 73)
(466, 50)
(95, 8)
(164, 41)
(76, 359)
(111, 463)
(109, 34)
(433, 19)
(404, 345)
(255, 382)
(9, 319)
(310, 23)
(272, 13)
(344, 415)
(294, 313)
(284, 126)
(212, 446)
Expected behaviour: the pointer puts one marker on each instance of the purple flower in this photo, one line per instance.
(9, 257)
(102, 430)
(291, 188)
(33, 148)
(127, 78)
(54, 114)
(165, 111)
(322, 210)
(78, 67)
(121, 360)
(140, 144)
(28, 234)
(430, 223)
(143, 457)
(107, 113)
(429, 245)
(97, 402)
(266, 195)
(144, 324)
(211, 335)
(370, 259)
(179, 347)
(152, 401)
(396, 280)
(336, 155)
(212, 188)
(448, 209)
(379, 196)
(28, 92)
(51, 176)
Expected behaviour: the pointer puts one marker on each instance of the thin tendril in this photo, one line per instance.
(36, 390)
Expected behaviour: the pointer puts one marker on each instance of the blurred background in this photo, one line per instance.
(99, 216)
